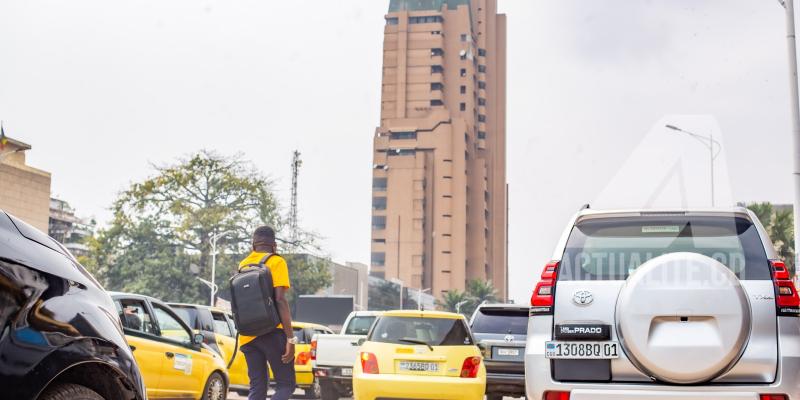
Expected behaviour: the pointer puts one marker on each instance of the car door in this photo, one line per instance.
(225, 335)
(183, 371)
(238, 371)
(139, 328)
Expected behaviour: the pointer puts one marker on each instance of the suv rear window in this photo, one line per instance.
(430, 331)
(359, 325)
(501, 321)
(612, 248)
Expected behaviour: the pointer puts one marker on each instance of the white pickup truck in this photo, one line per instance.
(333, 356)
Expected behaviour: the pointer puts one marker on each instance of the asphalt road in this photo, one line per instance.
(234, 396)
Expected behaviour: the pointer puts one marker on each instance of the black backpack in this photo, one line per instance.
(253, 299)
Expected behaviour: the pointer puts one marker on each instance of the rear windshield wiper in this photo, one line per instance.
(412, 341)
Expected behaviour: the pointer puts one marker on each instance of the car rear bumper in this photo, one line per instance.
(658, 395)
(371, 387)
(507, 384)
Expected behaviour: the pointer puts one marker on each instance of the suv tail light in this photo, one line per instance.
(774, 397)
(314, 350)
(302, 358)
(470, 367)
(559, 396)
(369, 363)
(542, 298)
(786, 298)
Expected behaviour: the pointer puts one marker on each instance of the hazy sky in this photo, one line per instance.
(102, 89)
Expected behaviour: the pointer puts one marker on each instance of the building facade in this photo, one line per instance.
(24, 190)
(439, 195)
(69, 229)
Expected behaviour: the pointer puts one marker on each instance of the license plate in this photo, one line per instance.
(582, 350)
(507, 352)
(347, 372)
(418, 366)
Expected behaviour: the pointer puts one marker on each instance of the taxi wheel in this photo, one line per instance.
(70, 392)
(215, 388)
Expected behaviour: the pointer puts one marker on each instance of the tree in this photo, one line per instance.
(482, 291)
(163, 225)
(308, 274)
(454, 301)
(780, 227)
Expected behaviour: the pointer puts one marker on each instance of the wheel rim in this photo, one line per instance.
(216, 389)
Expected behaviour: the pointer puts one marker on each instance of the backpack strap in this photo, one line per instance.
(261, 263)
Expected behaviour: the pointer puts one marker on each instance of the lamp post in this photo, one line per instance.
(710, 143)
(213, 285)
(794, 103)
(459, 304)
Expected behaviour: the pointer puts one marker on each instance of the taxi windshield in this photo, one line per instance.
(416, 330)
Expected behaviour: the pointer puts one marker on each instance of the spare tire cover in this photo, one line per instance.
(683, 318)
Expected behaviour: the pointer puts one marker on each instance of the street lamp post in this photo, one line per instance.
(710, 143)
(459, 304)
(791, 42)
(214, 263)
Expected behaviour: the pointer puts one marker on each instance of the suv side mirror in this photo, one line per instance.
(198, 338)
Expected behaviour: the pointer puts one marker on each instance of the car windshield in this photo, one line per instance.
(430, 331)
(612, 248)
(359, 325)
(501, 321)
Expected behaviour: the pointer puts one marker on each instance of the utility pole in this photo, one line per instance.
(296, 163)
(791, 41)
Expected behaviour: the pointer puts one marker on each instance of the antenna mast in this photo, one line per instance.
(296, 163)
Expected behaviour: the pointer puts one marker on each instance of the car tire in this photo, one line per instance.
(328, 391)
(70, 391)
(215, 388)
(494, 397)
(314, 392)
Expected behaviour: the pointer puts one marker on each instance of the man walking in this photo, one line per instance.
(277, 347)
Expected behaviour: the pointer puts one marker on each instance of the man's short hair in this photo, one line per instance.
(264, 234)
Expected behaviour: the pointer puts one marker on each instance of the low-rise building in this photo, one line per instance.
(24, 190)
(68, 228)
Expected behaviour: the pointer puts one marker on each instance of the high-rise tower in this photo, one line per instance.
(439, 175)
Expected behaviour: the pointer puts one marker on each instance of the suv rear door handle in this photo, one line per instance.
(170, 354)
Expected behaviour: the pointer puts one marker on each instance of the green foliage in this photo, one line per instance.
(307, 274)
(780, 227)
(477, 292)
(164, 224)
(455, 301)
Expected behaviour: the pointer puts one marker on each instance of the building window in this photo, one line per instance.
(379, 184)
(462, 106)
(392, 21)
(402, 152)
(436, 102)
(378, 259)
(481, 85)
(463, 89)
(437, 86)
(379, 203)
(378, 222)
(437, 52)
(482, 52)
(463, 56)
(378, 240)
(436, 32)
(481, 118)
(463, 72)
(482, 68)
(481, 101)
(437, 69)
(481, 135)
(463, 37)
(403, 135)
(427, 19)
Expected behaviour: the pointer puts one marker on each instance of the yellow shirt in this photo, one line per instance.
(280, 277)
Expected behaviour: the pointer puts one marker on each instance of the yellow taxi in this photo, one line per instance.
(419, 355)
(173, 360)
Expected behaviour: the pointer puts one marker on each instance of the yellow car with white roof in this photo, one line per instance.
(419, 355)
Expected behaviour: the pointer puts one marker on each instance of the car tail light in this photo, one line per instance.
(786, 297)
(557, 396)
(302, 358)
(369, 364)
(774, 397)
(314, 350)
(470, 367)
(543, 293)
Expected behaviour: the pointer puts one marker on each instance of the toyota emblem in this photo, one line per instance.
(509, 338)
(583, 297)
